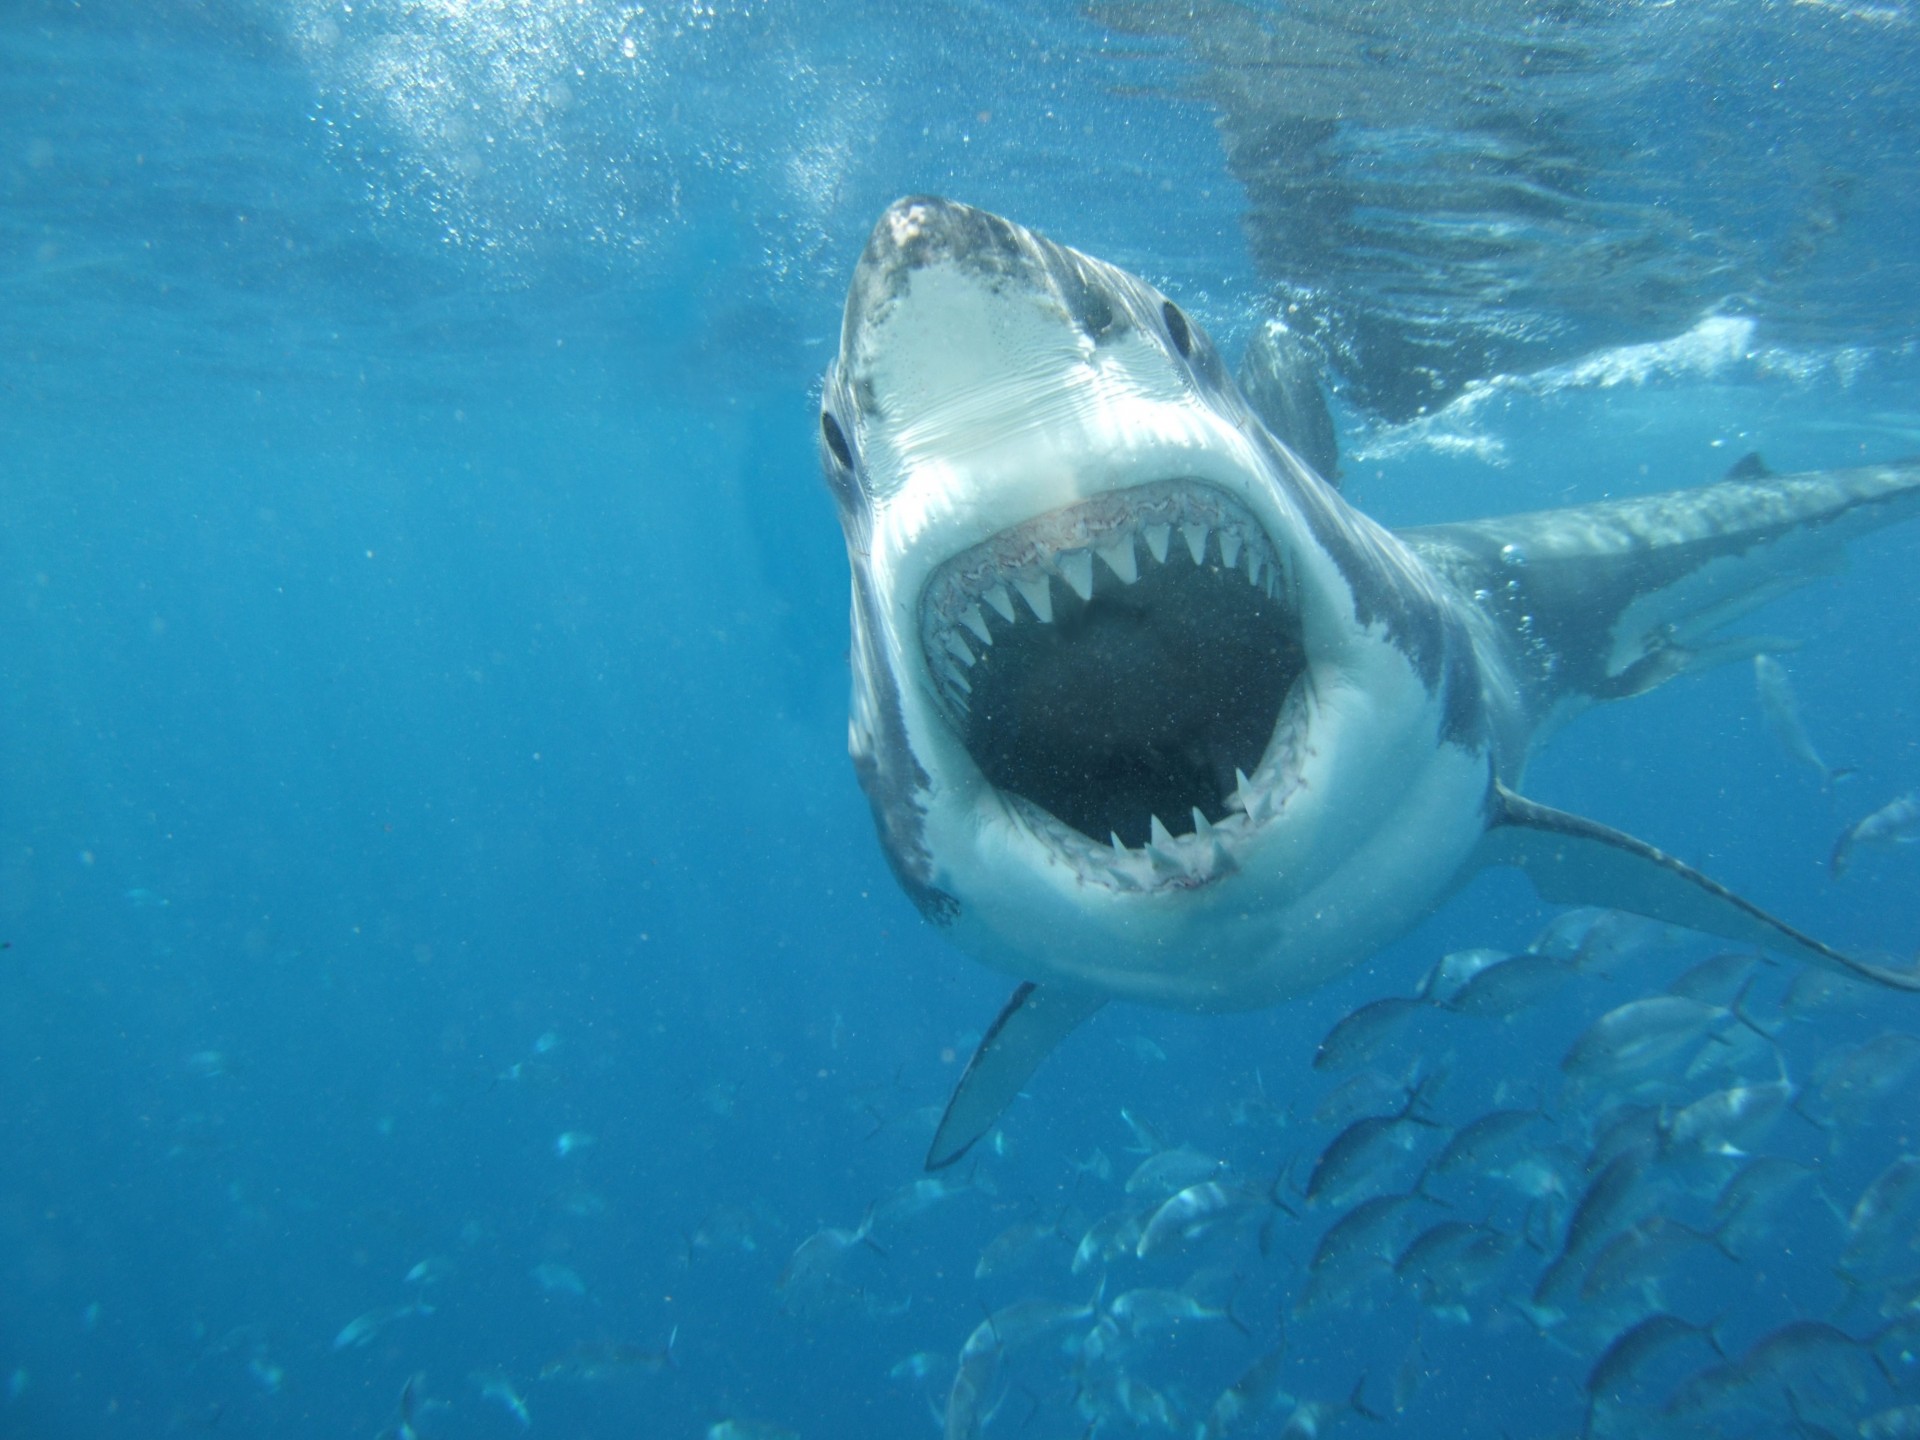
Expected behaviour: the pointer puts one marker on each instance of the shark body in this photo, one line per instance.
(1145, 710)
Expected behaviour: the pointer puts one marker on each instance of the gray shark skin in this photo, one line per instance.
(1145, 710)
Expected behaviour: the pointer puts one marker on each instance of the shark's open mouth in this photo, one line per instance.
(1129, 665)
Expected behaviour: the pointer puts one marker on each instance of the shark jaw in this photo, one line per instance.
(1129, 674)
(1118, 718)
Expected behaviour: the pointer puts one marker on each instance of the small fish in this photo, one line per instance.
(1803, 1352)
(1508, 986)
(500, 1388)
(1194, 1211)
(1849, 1084)
(920, 1365)
(1882, 1219)
(1111, 1235)
(750, 1430)
(1717, 980)
(1015, 1246)
(1636, 1347)
(1171, 1171)
(604, 1359)
(1367, 1155)
(816, 1258)
(1312, 1419)
(1357, 1037)
(917, 1197)
(1016, 1326)
(1374, 1228)
(726, 1229)
(1782, 711)
(1589, 938)
(571, 1142)
(1750, 1195)
(1368, 1093)
(966, 1410)
(1897, 1422)
(1485, 1146)
(1143, 1048)
(1614, 1199)
(1728, 1122)
(430, 1271)
(1895, 823)
(1639, 1037)
(1144, 1407)
(1146, 1310)
(1636, 1258)
(362, 1329)
(1147, 1139)
(1096, 1165)
(1818, 992)
(1449, 1270)
(1452, 972)
(1250, 1398)
(557, 1279)
(409, 1406)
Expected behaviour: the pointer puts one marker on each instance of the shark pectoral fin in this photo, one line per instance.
(1575, 861)
(1035, 1019)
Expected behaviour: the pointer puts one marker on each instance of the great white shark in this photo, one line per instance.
(1146, 710)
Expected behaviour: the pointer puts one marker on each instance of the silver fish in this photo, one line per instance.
(1171, 1171)
(1637, 1038)
(1147, 1309)
(1250, 1398)
(1367, 1155)
(1728, 1122)
(1744, 1208)
(1505, 988)
(1356, 1038)
(1850, 1083)
(1015, 1246)
(1895, 823)
(1782, 710)
(1194, 1211)
(1636, 1347)
(1485, 1146)
(1114, 1234)
(362, 1329)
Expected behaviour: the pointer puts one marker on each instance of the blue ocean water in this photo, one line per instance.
(427, 845)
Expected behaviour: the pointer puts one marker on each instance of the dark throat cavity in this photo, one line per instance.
(1141, 701)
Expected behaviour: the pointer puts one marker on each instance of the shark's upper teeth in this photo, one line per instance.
(1120, 559)
(1038, 596)
(1196, 538)
(975, 604)
(1025, 560)
(1076, 568)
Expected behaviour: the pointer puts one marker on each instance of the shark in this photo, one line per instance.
(1146, 710)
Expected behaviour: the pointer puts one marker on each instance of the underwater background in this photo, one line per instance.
(451, 984)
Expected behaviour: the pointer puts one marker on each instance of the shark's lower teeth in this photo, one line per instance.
(1120, 682)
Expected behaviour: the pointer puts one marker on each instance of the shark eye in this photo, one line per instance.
(836, 439)
(1177, 330)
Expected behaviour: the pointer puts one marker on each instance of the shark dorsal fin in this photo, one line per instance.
(1605, 601)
